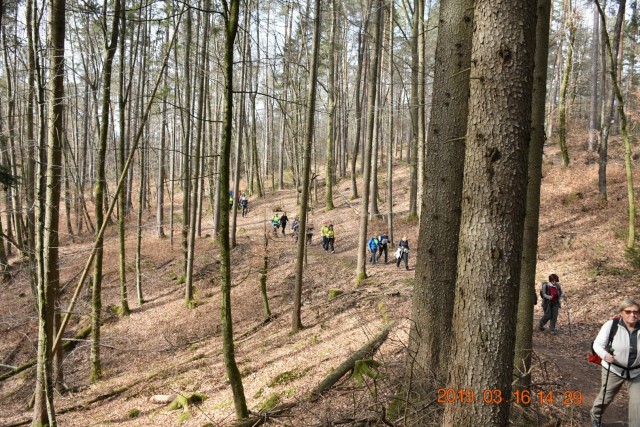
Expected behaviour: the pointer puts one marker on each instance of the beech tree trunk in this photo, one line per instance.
(230, 15)
(527, 293)
(296, 318)
(366, 178)
(49, 281)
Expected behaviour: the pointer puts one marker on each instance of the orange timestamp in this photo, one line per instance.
(519, 397)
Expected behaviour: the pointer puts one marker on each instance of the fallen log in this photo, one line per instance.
(363, 353)
(67, 347)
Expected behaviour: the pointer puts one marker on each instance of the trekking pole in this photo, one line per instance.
(604, 393)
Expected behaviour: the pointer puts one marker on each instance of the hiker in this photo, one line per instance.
(383, 246)
(244, 203)
(309, 234)
(230, 202)
(323, 233)
(331, 236)
(620, 361)
(373, 248)
(284, 219)
(551, 292)
(295, 226)
(403, 252)
(275, 223)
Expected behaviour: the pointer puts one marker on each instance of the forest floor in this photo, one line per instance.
(163, 348)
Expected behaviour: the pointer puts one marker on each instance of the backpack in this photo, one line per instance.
(384, 240)
(593, 357)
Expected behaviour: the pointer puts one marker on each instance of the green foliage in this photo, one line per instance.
(183, 417)
(258, 393)
(633, 256)
(396, 408)
(184, 400)
(572, 197)
(133, 413)
(412, 219)
(181, 280)
(365, 368)
(360, 278)
(286, 377)
(384, 311)
(270, 403)
(333, 293)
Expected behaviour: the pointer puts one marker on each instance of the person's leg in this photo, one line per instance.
(284, 225)
(608, 389)
(406, 260)
(386, 253)
(633, 386)
(546, 316)
(331, 240)
(555, 307)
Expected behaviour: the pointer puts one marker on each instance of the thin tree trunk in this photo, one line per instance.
(594, 124)
(527, 292)
(49, 281)
(96, 306)
(330, 167)
(366, 179)
(296, 319)
(188, 295)
(230, 15)
(564, 86)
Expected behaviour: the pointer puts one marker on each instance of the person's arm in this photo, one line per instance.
(545, 290)
(601, 341)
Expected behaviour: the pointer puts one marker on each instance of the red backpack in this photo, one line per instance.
(593, 357)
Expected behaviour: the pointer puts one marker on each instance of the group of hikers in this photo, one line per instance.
(244, 203)
(379, 245)
(616, 349)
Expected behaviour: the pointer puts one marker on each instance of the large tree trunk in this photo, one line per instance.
(366, 178)
(231, 12)
(493, 208)
(440, 214)
(524, 326)
(49, 281)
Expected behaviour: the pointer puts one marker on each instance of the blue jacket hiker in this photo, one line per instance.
(373, 248)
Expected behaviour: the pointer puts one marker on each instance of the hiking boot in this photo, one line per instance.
(541, 328)
(595, 423)
(554, 331)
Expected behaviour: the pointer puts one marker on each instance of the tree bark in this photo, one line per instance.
(527, 292)
(493, 208)
(296, 318)
(49, 281)
(366, 178)
(440, 214)
(96, 304)
(594, 123)
(230, 15)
